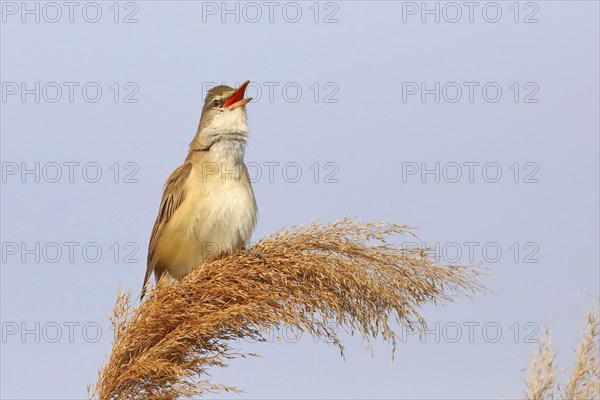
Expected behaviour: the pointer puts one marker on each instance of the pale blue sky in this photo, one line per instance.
(357, 117)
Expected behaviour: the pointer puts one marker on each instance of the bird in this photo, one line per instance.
(208, 205)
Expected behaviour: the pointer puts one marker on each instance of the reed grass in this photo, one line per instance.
(542, 382)
(302, 278)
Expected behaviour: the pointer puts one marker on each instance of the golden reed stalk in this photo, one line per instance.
(301, 278)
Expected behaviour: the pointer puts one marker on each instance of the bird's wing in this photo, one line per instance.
(173, 196)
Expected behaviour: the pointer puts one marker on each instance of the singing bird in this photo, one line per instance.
(208, 205)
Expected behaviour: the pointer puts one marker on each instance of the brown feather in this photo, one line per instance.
(173, 196)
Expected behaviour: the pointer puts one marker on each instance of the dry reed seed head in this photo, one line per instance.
(305, 278)
(584, 382)
(540, 382)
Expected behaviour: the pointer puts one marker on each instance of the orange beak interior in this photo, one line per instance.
(237, 98)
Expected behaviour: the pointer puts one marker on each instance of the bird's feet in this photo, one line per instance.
(251, 252)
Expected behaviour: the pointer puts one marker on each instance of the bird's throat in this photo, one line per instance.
(229, 149)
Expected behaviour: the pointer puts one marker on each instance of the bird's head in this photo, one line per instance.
(224, 115)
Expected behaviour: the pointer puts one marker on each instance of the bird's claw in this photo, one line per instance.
(254, 253)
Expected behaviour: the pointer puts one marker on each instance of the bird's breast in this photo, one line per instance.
(217, 214)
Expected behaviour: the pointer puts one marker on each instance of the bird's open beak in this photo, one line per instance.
(237, 98)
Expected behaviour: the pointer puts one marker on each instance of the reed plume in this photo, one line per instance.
(584, 382)
(302, 278)
(541, 381)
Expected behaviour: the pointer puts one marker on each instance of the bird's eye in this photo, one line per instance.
(216, 103)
